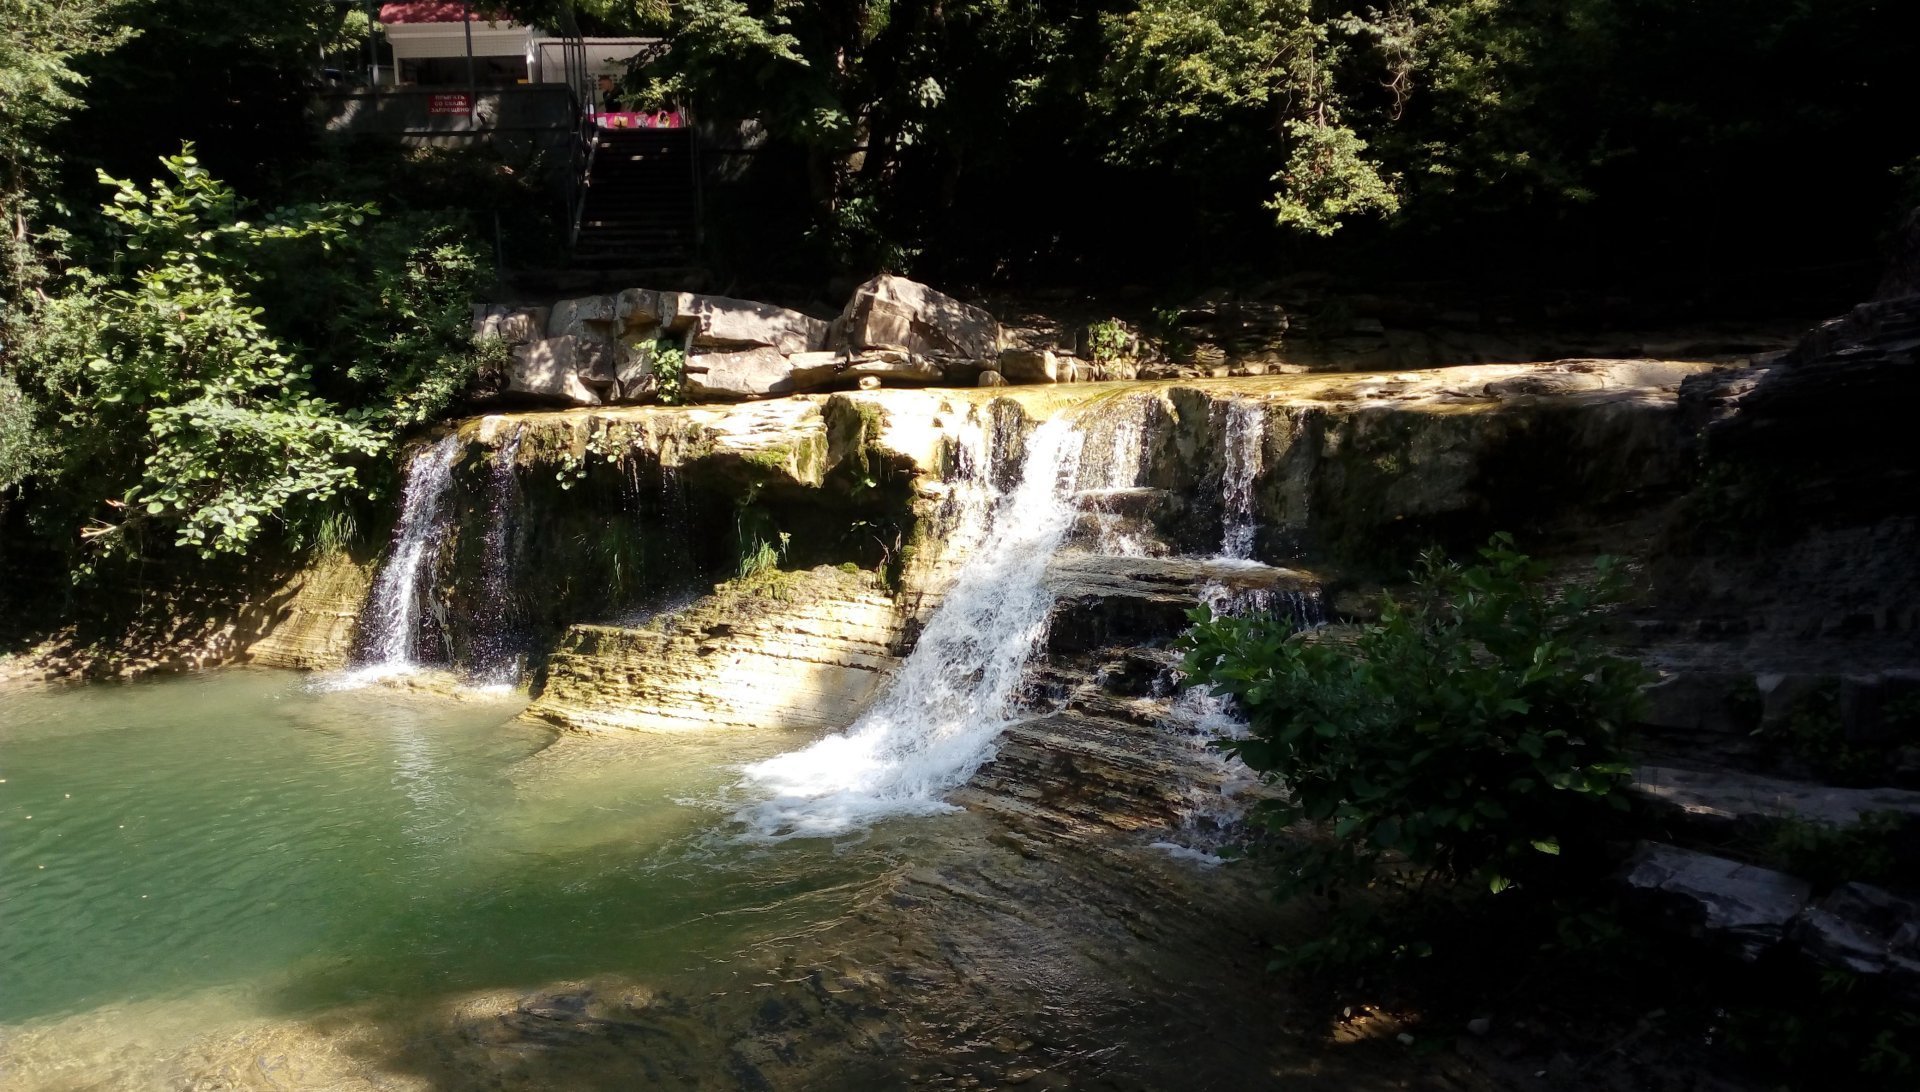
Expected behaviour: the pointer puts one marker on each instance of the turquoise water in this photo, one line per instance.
(241, 831)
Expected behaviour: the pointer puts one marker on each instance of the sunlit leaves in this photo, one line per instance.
(1472, 732)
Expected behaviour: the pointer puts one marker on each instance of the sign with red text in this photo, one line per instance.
(450, 102)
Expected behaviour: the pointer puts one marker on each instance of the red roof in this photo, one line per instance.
(431, 11)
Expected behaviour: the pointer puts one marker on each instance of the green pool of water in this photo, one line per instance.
(241, 831)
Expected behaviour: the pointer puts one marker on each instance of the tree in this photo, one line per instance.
(169, 404)
(890, 102)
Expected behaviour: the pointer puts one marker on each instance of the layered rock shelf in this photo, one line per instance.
(789, 650)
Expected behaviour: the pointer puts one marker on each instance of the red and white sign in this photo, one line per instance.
(452, 102)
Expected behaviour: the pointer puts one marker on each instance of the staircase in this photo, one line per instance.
(640, 203)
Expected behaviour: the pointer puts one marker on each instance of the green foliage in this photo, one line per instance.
(1108, 340)
(1290, 66)
(1473, 733)
(175, 406)
(1812, 735)
(670, 372)
(172, 400)
(1841, 1030)
(758, 555)
(18, 442)
(1869, 851)
(410, 332)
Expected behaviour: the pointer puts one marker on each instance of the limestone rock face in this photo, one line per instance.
(890, 312)
(1742, 905)
(313, 617)
(559, 368)
(788, 650)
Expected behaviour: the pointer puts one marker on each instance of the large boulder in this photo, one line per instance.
(562, 369)
(891, 312)
(589, 317)
(718, 322)
(759, 372)
(513, 325)
(1029, 366)
(1867, 931)
(891, 366)
(1742, 906)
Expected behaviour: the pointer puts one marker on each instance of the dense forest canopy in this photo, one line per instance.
(226, 353)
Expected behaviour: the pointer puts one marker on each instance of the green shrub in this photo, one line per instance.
(1473, 733)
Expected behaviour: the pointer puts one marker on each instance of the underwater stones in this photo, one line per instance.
(730, 377)
(890, 312)
(559, 368)
(1745, 907)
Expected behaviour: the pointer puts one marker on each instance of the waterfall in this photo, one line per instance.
(938, 721)
(1123, 435)
(496, 643)
(390, 621)
(1246, 432)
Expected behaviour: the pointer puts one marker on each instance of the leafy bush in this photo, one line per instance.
(173, 398)
(1473, 733)
(173, 403)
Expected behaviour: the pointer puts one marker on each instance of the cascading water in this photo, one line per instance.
(1122, 435)
(391, 618)
(497, 648)
(955, 694)
(1245, 434)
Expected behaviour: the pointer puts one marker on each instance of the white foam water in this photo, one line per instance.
(390, 620)
(954, 695)
(1246, 433)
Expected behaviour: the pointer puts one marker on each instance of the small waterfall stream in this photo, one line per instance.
(953, 696)
(390, 621)
(498, 651)
(1246, 433)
